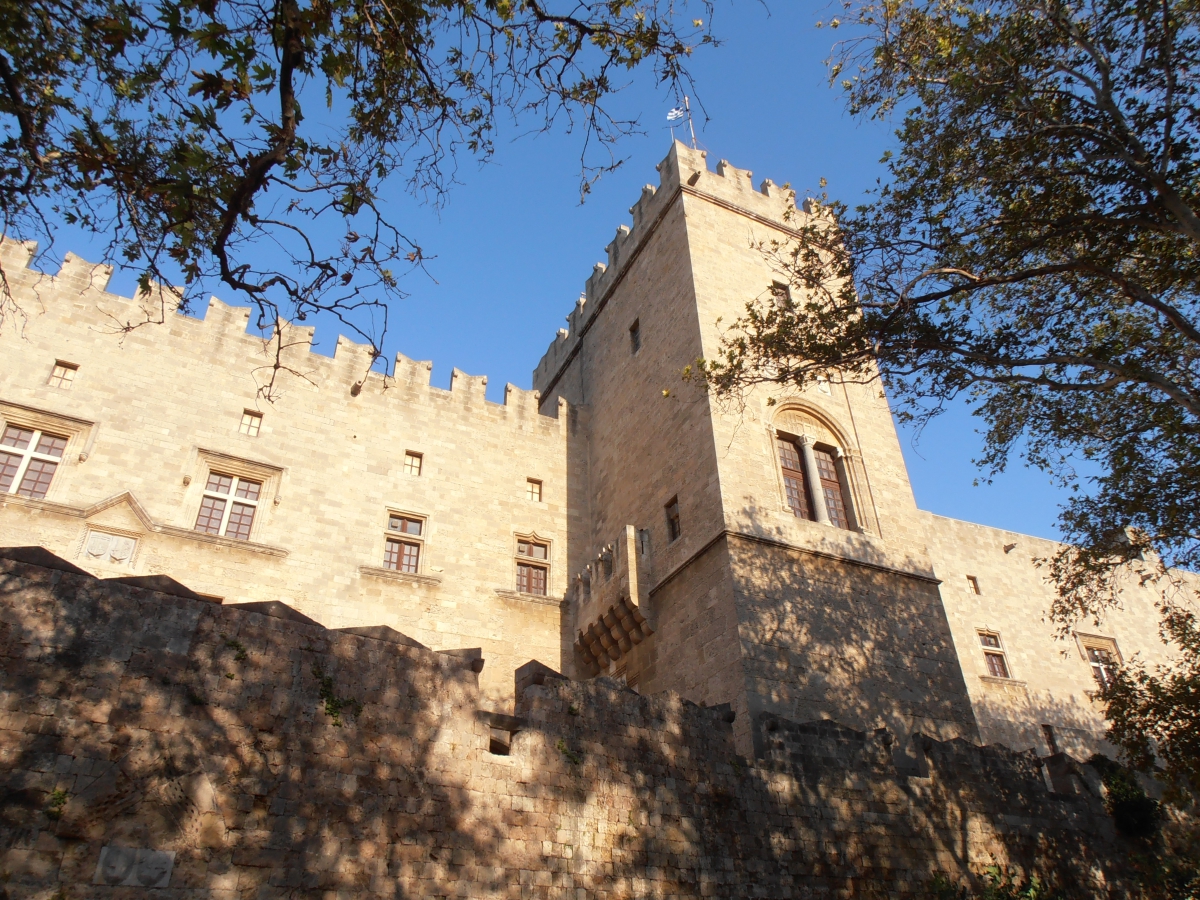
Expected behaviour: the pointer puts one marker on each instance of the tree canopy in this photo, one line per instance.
(191, 134)
(1034, 248)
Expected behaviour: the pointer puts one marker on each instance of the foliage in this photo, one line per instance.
(997, 884)
(1157, 711)
(1034, 249)
(571, 756)
(1134, 814)
(58, 799)
(334, 705)
(208, 137)
(237, 646)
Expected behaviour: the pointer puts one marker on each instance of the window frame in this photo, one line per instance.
(529, 561)
(232, 499)
(798, 475)
(998, 650)
(674, 520)
(420, 463)
(845, 507)
(973, 585)
(30, 454)
(405, 538)
(59, 381)
(1089, 642)
(251, 423)
(812, 481)
(530, 485)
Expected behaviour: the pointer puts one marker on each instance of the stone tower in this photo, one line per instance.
(772, 556)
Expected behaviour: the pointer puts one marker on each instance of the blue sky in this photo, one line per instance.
(513, 245)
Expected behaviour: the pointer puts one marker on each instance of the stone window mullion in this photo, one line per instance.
(816, 490)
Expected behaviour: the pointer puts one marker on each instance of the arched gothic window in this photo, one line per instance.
(813, 482)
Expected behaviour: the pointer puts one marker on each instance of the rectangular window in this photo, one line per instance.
(532, 567)
(674, 529)
(405, 524)
(781, 295)
(28, 460)
(531, 579)
(794, 483)
(63, 375)
(831, 487)
(228, 506)
(533, 490)
(404, 554)
(635, 336)
(1103, 660)
(973, 584)
(412, 463)
(251, 423)
(993, 654)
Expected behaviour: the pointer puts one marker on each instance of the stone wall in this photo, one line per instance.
(151, 412)
(151, 740)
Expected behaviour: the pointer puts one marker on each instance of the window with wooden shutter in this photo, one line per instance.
(795, 486)
(533, 566)
(831, 488)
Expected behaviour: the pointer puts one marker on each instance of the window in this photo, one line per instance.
(794, 483)
(28, 460)
(228, 506)
(831, 488)
(63, 375)
(412, 463)
(1103, 660)
(674, 530)
(251, 422)
(813, 481)
(781, 295)
(973, 584)
(993, 655)
(533, 490)
(533, 566)
(635, 336)
(403, 554)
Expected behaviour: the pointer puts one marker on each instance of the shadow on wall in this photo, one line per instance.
(231, 740)
(1011, 715)
(860, 642)
(155, 740)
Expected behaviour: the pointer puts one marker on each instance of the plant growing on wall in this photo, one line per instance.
(1034, 249)
(203, 140)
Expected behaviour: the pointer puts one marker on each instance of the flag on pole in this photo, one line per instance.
(676, 114)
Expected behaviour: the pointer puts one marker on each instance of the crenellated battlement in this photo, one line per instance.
(80, 289)
(683, 170)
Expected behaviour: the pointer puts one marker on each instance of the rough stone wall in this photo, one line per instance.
(153, 740)
(155, 410)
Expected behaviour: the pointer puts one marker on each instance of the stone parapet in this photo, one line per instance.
(683, 169)
(80, 288)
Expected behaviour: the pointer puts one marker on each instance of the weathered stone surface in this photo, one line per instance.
(237, 771)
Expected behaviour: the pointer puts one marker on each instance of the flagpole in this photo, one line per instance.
(691, 127)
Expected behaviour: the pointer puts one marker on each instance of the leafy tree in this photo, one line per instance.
(192, 134)
(1034, 249)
